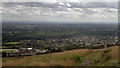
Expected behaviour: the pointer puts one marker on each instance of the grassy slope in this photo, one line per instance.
(68, 58)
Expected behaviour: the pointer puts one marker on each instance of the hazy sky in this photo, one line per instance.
(60, 11)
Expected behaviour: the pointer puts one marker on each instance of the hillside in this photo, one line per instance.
(80, 57)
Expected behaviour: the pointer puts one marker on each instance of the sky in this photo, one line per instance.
(60, 11)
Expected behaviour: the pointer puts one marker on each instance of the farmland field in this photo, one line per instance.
(43, 35)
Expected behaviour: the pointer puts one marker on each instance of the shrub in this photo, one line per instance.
(107, 50)
(77, 59)
(97, 61)
(108, 58)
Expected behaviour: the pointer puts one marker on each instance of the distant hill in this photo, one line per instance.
(80, 57)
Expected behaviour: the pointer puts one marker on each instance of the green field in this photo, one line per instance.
(7, 50)
(12, 42)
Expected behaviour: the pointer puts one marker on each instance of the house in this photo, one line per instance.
(41, 51)
(13, 54)
(29, 48)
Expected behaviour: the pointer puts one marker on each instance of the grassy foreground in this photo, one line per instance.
(80, 57)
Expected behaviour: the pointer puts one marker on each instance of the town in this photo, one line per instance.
(59, 45)
(23, 52)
